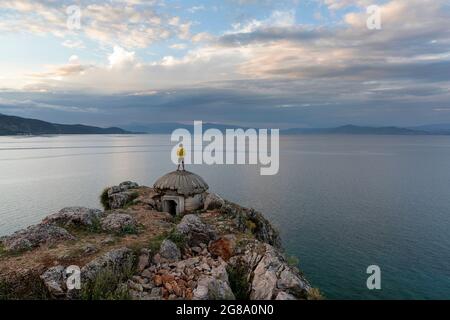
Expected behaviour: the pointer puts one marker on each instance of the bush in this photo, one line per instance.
(237, 276)
(104, 199)
(128, 229)
(108, 285)
(155, 243)
(314, 294)
(293, 261)
(96, 226)
(177, 238)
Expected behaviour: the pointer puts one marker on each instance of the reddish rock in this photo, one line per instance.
(157, 280)
(223, 247)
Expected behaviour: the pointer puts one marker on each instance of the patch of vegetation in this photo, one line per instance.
(2, 250)
(177, 218)
(29, 287)
(177, 238)
(109, 284)
(293, 261)
(104, 199)
(96, 226)
(250, 226)
(155, 243)
(237, 276)
(315, 294)
(133, 196)
(128, 229)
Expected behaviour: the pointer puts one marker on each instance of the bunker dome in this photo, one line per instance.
(181, 191)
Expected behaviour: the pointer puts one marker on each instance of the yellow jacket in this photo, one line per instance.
(181, 152)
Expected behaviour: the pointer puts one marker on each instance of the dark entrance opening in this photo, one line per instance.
(170, 207)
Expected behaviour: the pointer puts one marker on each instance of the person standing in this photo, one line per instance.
(181, 153)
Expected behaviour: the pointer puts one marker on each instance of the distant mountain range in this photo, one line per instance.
(351, 129)
(11, 125)
(164, 128)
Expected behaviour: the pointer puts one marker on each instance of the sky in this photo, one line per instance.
(261, 63)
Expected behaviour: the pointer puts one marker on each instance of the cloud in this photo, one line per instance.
(319, 74)
(130, 24)
(73, 44)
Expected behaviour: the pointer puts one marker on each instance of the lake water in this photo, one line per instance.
(342, 203)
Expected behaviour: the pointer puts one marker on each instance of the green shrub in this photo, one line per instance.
(155, 243)
(315, 294)
(108, 284)
(293, 261)
(96, 226)
(237, 276)
(177, 238)
(133, 196)
(129, 230)
(104, 199)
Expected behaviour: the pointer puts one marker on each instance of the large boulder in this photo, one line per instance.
(119, 223)
(169, 251)
(74, 216)
(213, 201)
(124, 193)
(118, 261)
(223, 247)
(35, 236)
(55, 281)
(195, 231)
(215, 286)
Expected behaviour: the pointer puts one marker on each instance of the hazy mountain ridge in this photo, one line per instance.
(12, 125)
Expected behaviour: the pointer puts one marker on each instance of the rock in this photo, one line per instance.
(284, 296)
(195, 231)
(223, 247)
(90, 248)
(253, 221)
(126, 185)
(169, 251)
(213, 201)
(117, 260)
(119, 223)
(108, 240)
(270, 273)
(147, 274)
(55, 281)
(196, 249)
(210, 288)
(143, 261)
(135, 286)
(75, 216)
(35, 236)
(119, 196)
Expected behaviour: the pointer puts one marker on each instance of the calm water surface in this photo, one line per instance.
(342, 203)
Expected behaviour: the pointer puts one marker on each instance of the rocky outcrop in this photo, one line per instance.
(35, 236)
(195, 231)
(250, 220)
(213, 201)
(269, 274)
(55, 281)
(74, 216)
(119, 196)
(119, 223)
(223, 252)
